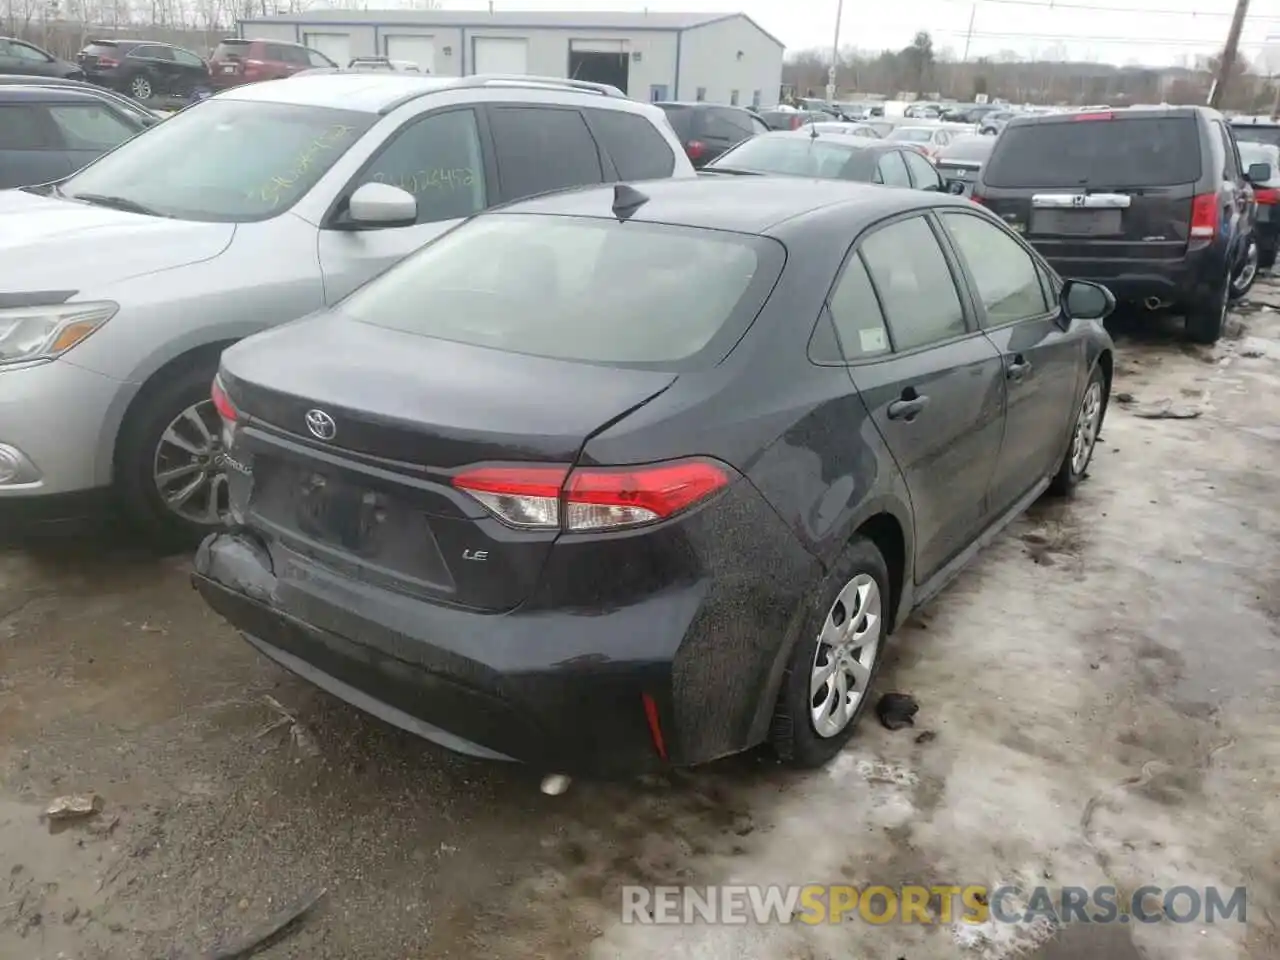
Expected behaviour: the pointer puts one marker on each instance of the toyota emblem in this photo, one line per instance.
(321, 425)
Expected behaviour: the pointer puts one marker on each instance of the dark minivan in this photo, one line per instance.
(1151, 202)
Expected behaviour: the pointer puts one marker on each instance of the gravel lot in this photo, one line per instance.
(1102, 684)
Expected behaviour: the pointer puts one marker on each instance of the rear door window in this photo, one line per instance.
(1123, 152)
(914, 284)
(891, 170)
(26, 128)
(856, 313)
(542, 148)
(1231, 169)
(923, 173)
(638, 150)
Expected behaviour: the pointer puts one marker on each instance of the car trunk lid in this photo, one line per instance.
(1097, 186)
(353, 434)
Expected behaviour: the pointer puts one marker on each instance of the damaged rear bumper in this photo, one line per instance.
(558, 690)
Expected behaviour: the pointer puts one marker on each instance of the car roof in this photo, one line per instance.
(1119, 113)
(18, 93)
(754, 205)
(700, 104)
(382, 91)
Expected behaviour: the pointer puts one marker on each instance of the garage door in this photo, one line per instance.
(500, 56)
(419, 50)
(335, 46)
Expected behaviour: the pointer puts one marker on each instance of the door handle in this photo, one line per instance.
(1018, 368)
(909, 407)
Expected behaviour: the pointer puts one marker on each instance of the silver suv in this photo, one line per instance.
(121, 285)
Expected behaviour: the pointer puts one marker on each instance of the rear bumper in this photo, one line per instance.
(1178, 281)
(560, 686)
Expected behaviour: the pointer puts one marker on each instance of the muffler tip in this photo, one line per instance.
(554, 784)
(1151, 303)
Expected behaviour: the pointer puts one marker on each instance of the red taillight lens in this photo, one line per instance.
(222, 403)
(1204, 217)
(108, 62)
(695, 149)
(1094, 116)
(1266, 195)
(978, 199)
(795, 122)
(592, 498)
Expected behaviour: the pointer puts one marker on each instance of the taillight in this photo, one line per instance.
(592, 498)
(1204, 216)
(1093, 116)
(1266, 195)
(795, 122)
(108, 62)
(978, 199)
(226, 410)
(695, 149)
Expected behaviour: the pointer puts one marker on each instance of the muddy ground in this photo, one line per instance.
(1102, 684)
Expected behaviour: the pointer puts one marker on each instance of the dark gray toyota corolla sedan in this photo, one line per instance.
(632, 476)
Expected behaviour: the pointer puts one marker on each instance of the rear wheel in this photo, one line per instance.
(169, 476)
(1205, 317)
(827, 684)
(140, 87)
(1084, 436)
(1247, 271)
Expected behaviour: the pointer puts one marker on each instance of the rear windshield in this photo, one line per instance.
(1255, 134)
(98, 47)
(911, 135)
(968, 148)
(792, 156)
(230, 49)
(570, 288)
(1123, 152)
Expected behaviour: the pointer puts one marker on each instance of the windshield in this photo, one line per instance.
(224, 160)
(1118, 153)
(911, 135)
(569, 288)
(789, 155)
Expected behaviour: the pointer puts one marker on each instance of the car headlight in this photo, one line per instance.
(42, 333)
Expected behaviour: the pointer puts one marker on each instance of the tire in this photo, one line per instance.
(1084, 436)
(859, 577)
(140, 87)
(1246, 271)
(143, 452)
(1205, 318)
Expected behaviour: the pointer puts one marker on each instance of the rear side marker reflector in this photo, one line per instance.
(222, 403)
(655, 724)
(592, 498)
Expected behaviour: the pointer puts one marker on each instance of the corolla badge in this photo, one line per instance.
(321, 425)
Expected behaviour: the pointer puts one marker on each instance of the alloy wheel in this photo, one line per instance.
(846, 653)
(1086, 433)
(187, 471)
(141, 88)
(1248, 270)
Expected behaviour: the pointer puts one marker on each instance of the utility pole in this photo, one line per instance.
(968, 36)
(835, 54)
(1227, 62)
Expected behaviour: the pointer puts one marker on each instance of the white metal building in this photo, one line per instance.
(721, 58)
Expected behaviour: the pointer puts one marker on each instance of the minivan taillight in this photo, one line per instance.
(1204, 217)
(592, 498)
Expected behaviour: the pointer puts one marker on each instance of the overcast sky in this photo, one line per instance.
(1143, 31)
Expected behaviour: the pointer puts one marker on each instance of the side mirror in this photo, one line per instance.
(1082, 300)
(374, 205)
(1259, 172)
